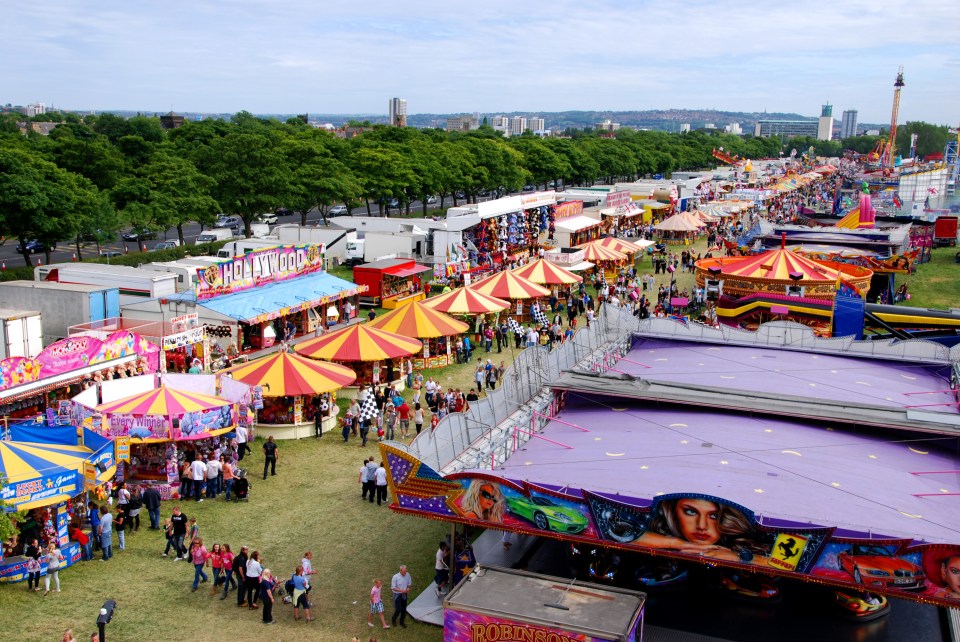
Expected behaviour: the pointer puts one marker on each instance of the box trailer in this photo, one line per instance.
(134, 284)
(186, 273)
(494, 604)
(20, 333)
(945, 231)
(239, 248)
(61, 305)
(391, 283)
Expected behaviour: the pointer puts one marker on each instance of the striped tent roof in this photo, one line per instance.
(546, 273)
(593, 253)
(618, 245)
(289, 375)
(419, 321)
(163, 401)
(779, 264)
(507, 285)
(678, 223)
(466, 301)
(20, 460)
(359, 342)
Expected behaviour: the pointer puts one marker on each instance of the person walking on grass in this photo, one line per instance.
(198, 473)
(215, 556)
(54, 558)
(253, 572)
(400, 585)
(226, 560)
(267, 584)
(192, 535)
(441, 568)
(376, 604)
(270, 456)
(33, 565)
(151, 501)
(176, 531)
(240, 571)
(105, 532)
(301, 584)
(198, 554)
(381, 483)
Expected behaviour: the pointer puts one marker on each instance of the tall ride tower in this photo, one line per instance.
(891, 145)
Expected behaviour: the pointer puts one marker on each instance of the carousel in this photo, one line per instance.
(289, 384)
(433, 328)
(606, 261)
(546, 272)
(373, 354)
(521, 293)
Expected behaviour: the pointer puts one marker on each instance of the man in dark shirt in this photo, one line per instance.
(270, 455)
(240, 572)
(179, 521)
(151, 501)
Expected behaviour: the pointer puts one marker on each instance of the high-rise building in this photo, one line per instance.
(500, 124)
(535, 124)
(608, 126)
(848, 124)
(35, 109)
(398, 112)
(684, 128)
(463, 123)
(518, 125)
(825, 124)
(785, 128)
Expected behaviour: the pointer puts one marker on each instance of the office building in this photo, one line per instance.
(398, 112)
(608, 126)
(463, 123)
(848, 124)
(35, 109)
(518, 125)
(786, 128)
(825, 124)
(535, 124)
(500, 124)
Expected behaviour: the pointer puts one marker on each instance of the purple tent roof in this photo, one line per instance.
(781, 470)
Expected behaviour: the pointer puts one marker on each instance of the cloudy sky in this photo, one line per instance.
(287, 56)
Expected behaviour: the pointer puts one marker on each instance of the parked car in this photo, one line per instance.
(433, 200)
(166, 245)
(270, 218)
(34, 247)
(229, 221)
(98, 235)
(529, 188)
(338, 210)
(140, 234)
(110, 254)
(878, 566)
(393, 203)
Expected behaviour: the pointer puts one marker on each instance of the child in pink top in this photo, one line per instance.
(376, 604)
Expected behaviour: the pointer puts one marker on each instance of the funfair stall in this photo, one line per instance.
(433, 328)
(391, 283)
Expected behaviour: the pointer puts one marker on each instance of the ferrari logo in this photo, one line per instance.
(787, 550)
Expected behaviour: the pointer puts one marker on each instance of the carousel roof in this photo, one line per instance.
(359, 342)
(466, 301)
(618, 245)
(779, 264)
(678, 223)
(287, 375)
(162, 401)
(507, 285)
(419, 321)
(593, 252)
(547, 273)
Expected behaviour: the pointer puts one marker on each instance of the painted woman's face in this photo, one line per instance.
(951, 574)
(488, 497)
(698, 520)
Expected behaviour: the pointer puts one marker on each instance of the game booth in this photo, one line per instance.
(433, 328)
(371, 353)
(285, 386)
(47, 471)
(34, 386)
(391, 283)
(181, 340)
(164, 421)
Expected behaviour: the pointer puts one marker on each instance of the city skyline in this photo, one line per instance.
(615, 56)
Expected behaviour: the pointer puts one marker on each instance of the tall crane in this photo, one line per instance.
(892, 143)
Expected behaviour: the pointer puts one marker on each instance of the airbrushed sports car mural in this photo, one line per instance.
(692, 527)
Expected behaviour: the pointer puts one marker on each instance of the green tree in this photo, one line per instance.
(90, 156)
(540, 161)
(317, 178)
(383, 174)
(931, 139)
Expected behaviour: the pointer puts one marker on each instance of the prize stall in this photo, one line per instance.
(572, 227)
(47, 471)
(433, 328)
(288, 383)
(34, 386)
(510, 228)
(518, 291)
(547, 272)
(605, 260)
(391, 283)
(181, 339)
(162, 424)
(371, 353)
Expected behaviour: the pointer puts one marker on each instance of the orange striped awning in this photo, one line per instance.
(508, 285)
(359, 342)
(419, 321)
(289, 375)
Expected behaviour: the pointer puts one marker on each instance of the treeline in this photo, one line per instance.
(94, 175)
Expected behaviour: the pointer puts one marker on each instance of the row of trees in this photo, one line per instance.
(95, 175)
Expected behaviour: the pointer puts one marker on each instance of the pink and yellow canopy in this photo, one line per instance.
(508, 285)
(289, 375)
(359, 342)
(595, 253)
(162, 401)
(546, 273)
(780, 264)
(466, 301)
(617, 245)
(419, 321)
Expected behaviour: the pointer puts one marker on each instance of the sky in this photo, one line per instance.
(496, 56)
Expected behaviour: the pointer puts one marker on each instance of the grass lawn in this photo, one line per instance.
(935, 284)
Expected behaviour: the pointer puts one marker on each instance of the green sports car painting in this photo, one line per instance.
(546, 514)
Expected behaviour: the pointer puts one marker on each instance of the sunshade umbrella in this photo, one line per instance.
(618, 245)
(419, 322)
(289, 375)
(593, 252)
(162, 401)
(57, 467)
(507, 285)
(359, 342)
(466, 301)
(546, 273)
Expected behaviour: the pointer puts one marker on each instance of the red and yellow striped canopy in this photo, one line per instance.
(419, 322)
(162, 401)
(359, 342)
(507, 285)
(289, 375)
(594, 253)
(466, 301)
(544, 272)
(618, 245)
(779, 264)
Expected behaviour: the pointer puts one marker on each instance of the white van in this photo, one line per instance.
(214, 235)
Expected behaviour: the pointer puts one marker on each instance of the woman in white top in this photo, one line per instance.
(53, 557)
(254, 570)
